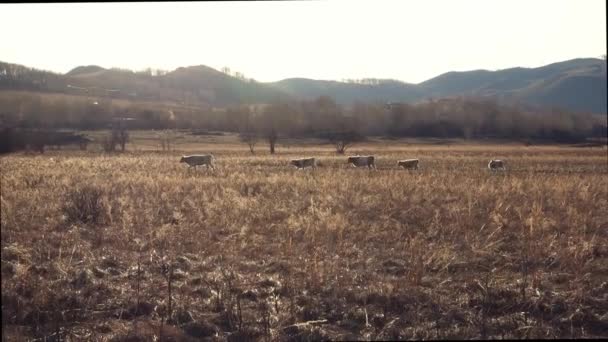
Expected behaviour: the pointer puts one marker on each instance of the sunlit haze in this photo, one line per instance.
(407, 40)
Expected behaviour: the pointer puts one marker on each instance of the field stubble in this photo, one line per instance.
(136, 245)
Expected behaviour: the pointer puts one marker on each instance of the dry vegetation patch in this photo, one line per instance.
(132, 246)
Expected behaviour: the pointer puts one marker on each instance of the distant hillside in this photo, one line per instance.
(508, 79)
(578, 85)
(219, 88)
(85, 70)
(382, 91)
(196, 85)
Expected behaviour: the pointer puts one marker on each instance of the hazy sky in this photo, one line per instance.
(409, 40)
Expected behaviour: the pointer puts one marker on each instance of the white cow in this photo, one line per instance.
(496, 164)
(361, 161)
(199, 159)
(408, 163)
(304, 163)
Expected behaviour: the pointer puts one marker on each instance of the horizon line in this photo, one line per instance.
(299, 77)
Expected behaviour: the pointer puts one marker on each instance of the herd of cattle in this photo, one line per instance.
(356, 161)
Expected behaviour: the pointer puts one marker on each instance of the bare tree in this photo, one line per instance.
(122, 138)
(249, 129)
(272, 136)
(108, 143)
(118, 136)
(250, 138)
(166, 138)
(274, 119)
(343, 140)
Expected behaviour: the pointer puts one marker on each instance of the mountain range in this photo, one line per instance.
(577, 85)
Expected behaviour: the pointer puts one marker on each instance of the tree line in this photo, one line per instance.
(446, 118)
(467, 118)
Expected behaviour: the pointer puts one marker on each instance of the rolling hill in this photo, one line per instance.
(383, 91)
(577, 85)
(197, 85)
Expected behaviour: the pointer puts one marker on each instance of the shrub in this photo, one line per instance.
(85, 205)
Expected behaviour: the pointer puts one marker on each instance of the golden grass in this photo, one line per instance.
(251, 250)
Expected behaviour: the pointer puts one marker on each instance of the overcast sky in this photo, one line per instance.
(409, 40)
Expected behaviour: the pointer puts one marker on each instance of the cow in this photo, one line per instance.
(408, 163)
(360, 161)
(304, 163)
(496, 164)
(199, 159)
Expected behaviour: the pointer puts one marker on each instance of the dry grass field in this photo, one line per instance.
(135, 247)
